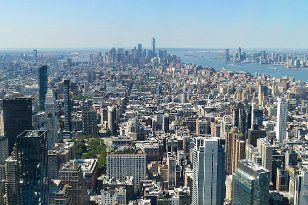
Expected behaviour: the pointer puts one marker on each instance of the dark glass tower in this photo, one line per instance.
(43, 85)
(35, 56)
(67, 108)
(153, 47)
(31, 155)
(17, 117)
(250, 184)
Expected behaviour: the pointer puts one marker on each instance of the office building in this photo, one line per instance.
(89, 120)
(153, 48)
(208, 172)
(260, 94)
(4, 149)
(281, 124)
(227, 55)
(52, 121)
(139, 51)
(301, 187)
(31, 155)
(71, 174)
(171, 162)
(256, 117)
(35, 57)
(166, 122)
(235, 149)
(239, 52)
(112, 126)
(265, 150)
(202, 127)
(43, 85)
(277, 198)
(113, 196)
(11, 195)
(67, 109)
(250, 184)
(59, 193)
(121, 165)
(17, 117)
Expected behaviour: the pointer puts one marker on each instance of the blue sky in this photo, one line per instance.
(174, 23)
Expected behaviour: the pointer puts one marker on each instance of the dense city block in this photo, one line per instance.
(138, 126)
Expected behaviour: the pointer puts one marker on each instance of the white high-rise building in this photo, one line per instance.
(301, 187)
(208, 172)
(281, 124)
(120, 166)
(52, 122)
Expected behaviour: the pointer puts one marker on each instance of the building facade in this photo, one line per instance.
(43, 85)
(282, 110)
(121, 165)
(250, 184)
(208, 172)
(17, 117)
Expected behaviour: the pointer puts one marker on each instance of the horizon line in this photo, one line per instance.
(148, 48)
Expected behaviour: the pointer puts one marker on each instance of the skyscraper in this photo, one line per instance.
(250, 184)
(4, 149)
(43, 85)
(239, 54)
(112, 120)
(281, 124)
(31, 156)
(239, 118)
(265, 150)
(139, 51)
(171, 161)
(260, 93)
(17, 117)
(153, 47)
(11, 195)
(301, 187)
(208, 172)
(235, 149)
(89, 122)
(67, 109)
(52, 123)
(35, 56)
(256, 117)
(166, 121)
(227, 55)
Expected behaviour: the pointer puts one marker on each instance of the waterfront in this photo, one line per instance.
(215, 59)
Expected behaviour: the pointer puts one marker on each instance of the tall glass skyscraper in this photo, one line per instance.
(35, 56)
(153, 47)
(250, 184)
(17, 117)
(43, 85)
(31, 155)
(67, 108)
(208, 172)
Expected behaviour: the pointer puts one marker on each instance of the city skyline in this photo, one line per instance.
(137, 102)
(177, 24)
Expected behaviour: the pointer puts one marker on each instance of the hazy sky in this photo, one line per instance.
(174, 23)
